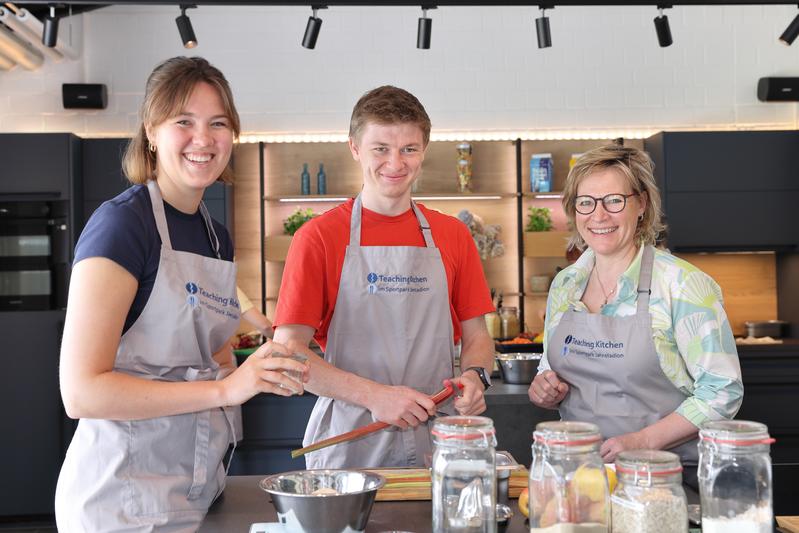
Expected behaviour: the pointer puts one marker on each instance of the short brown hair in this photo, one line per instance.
(168, 89)
(389, 105)
(637, 169)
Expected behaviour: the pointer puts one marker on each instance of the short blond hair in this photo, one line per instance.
(168, 89)
(638, 171)
(389, 105)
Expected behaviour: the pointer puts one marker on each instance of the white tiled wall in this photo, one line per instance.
(484, 71)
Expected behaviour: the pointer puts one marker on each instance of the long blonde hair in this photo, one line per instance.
(168, 89)
(637, 169)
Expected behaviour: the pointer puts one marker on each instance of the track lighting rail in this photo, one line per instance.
(549, 4)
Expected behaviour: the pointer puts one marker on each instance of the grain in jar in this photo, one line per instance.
(510, 322)
(649, 497)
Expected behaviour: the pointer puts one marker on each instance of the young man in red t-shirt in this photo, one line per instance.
(387, 288)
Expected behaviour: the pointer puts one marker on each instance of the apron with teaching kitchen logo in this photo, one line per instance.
(160, 474)
(391, 324)
(613, 369)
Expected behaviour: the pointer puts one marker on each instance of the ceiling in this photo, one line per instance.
(41, 7)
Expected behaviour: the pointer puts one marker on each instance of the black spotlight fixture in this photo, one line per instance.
(185, 28)
(312, 29)
(662, 28)
(791, 32)
(50, 29)
(542, 29)
(424, 29)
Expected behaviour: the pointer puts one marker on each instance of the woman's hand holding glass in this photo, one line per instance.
(272, 369)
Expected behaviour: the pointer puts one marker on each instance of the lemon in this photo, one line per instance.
(612, 480)
(590, 483)
(523, 502)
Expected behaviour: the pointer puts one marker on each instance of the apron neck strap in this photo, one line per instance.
(357, 217)
(158, 212)
(645, 279)
(424, 225)
(160, 219)
(209, 227)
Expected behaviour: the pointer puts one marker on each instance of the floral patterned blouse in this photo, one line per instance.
(692, 335)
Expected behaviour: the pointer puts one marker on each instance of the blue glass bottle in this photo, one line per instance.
(321, 180)
(305, 180)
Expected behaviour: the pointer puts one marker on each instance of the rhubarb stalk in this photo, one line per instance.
(437, 398)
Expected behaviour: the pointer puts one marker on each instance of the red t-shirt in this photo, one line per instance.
(313, 266)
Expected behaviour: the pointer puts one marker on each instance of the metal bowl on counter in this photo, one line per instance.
(323, 501)
(766, 328)
(518, 368)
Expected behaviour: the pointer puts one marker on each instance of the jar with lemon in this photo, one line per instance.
(569, 490)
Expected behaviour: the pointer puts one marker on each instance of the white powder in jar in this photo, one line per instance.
(650, 511)
(753, 520)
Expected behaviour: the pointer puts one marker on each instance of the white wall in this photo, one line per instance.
(484, 71)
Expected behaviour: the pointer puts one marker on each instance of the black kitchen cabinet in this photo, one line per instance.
(771, 378)
(103, 179)
(42, 164)
(102, 172)
(728, 190)
(273, 426)
(37, 430)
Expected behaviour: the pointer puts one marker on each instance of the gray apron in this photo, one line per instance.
(392, 325)
(159, 474)
(613, 370)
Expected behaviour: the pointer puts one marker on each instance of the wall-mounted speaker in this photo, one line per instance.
(84, 95)
(778, 89)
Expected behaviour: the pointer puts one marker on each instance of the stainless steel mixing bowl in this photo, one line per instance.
(294, 499)
(518, 368)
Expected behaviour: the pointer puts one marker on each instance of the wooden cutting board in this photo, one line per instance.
(788, 523)
(415, 484)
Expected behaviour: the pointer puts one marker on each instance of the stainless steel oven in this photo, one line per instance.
(34, 255)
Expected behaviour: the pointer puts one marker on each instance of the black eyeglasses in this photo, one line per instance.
(613, 203)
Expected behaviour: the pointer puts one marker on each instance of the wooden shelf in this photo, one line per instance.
(545, 243)
(276, 247)
(299, 198)
(271, 193)
(462, 196)
(555, 195)
(436, 196)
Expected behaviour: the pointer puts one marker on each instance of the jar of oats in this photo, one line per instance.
(649, 497)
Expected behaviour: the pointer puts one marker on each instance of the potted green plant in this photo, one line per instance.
(540, 237)
(295, 220)
(539, 219)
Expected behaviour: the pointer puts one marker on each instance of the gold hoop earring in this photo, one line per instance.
(151, 146)
(641, 217)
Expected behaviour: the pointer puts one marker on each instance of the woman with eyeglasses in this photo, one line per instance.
(636, 340)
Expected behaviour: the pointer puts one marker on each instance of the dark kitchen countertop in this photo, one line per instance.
(243, 504)
(788, 347)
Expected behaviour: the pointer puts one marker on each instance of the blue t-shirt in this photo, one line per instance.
(123, 229)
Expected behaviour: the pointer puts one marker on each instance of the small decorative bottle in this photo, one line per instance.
(305, 180)
(321, 180)
(464, 167)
